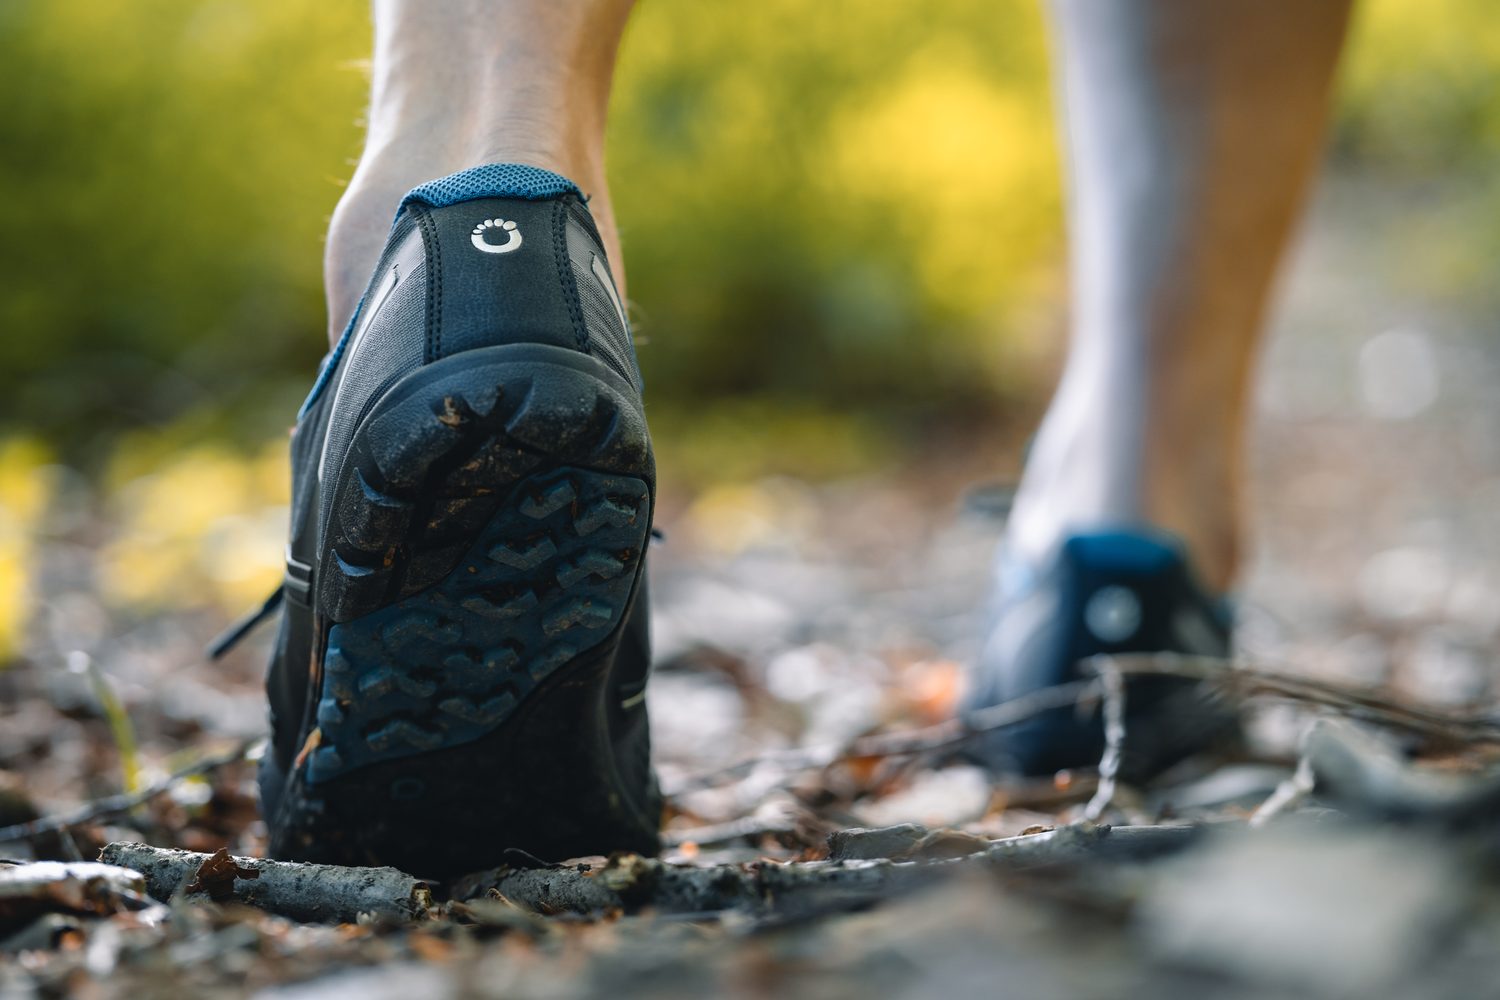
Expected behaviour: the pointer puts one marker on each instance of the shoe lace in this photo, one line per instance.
(244, 625)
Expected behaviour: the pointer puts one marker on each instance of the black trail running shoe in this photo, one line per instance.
(463, 652)
(1110, 592)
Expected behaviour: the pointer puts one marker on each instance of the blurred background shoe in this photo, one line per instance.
(1102, 593)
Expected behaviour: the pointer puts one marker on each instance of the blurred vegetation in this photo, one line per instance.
(24, 495)
(831, 210)
(169, 169)
(1420, 87)
(857, 202)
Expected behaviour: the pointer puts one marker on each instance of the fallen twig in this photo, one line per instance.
(789, 891)
(1358, 772)
(1114, 737)
(1441, 726)
(313, 893)
(1086, 841)
(119, 805)
(860, 844)
(1287, 794)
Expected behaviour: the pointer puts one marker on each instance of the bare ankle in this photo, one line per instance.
(468, 83)
(1093, 471)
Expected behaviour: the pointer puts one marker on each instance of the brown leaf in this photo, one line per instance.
(216, 876)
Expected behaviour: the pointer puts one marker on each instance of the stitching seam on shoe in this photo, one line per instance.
(434, 285)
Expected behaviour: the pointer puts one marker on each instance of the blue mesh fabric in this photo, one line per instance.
(493, 180)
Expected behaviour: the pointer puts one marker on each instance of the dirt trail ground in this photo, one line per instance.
(1377, 569)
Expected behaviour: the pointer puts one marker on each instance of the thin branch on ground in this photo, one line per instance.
(1113, 688)
(313, 893)
(1441, 726)
(120, 805)
(1361, 773)
(1287, 794)
(765, 889)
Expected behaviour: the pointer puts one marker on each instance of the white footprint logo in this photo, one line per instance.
(512, 242)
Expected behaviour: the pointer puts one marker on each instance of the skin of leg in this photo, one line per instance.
(1193, 130)
(466, 82)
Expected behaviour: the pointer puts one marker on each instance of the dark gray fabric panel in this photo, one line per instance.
(387, 345)
(603, 310)
(481, 298)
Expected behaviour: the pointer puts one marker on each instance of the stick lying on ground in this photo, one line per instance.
(335, 894)
(799, 889)
(1360, 773)
(119, 805)
(312, 893)
(1113, 691)
(1445, 727)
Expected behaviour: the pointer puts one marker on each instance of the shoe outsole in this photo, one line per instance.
(548, 579)
(486, 538)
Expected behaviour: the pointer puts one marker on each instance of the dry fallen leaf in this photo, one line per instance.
(216, 876)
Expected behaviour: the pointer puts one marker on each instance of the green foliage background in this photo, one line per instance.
(843, 201)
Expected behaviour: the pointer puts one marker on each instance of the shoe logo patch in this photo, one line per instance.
(512, 241)
(1113, 613)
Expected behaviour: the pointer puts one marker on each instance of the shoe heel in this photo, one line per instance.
(486, 543)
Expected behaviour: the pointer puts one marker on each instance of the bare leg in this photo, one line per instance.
(465, 82)
(1193, 129)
